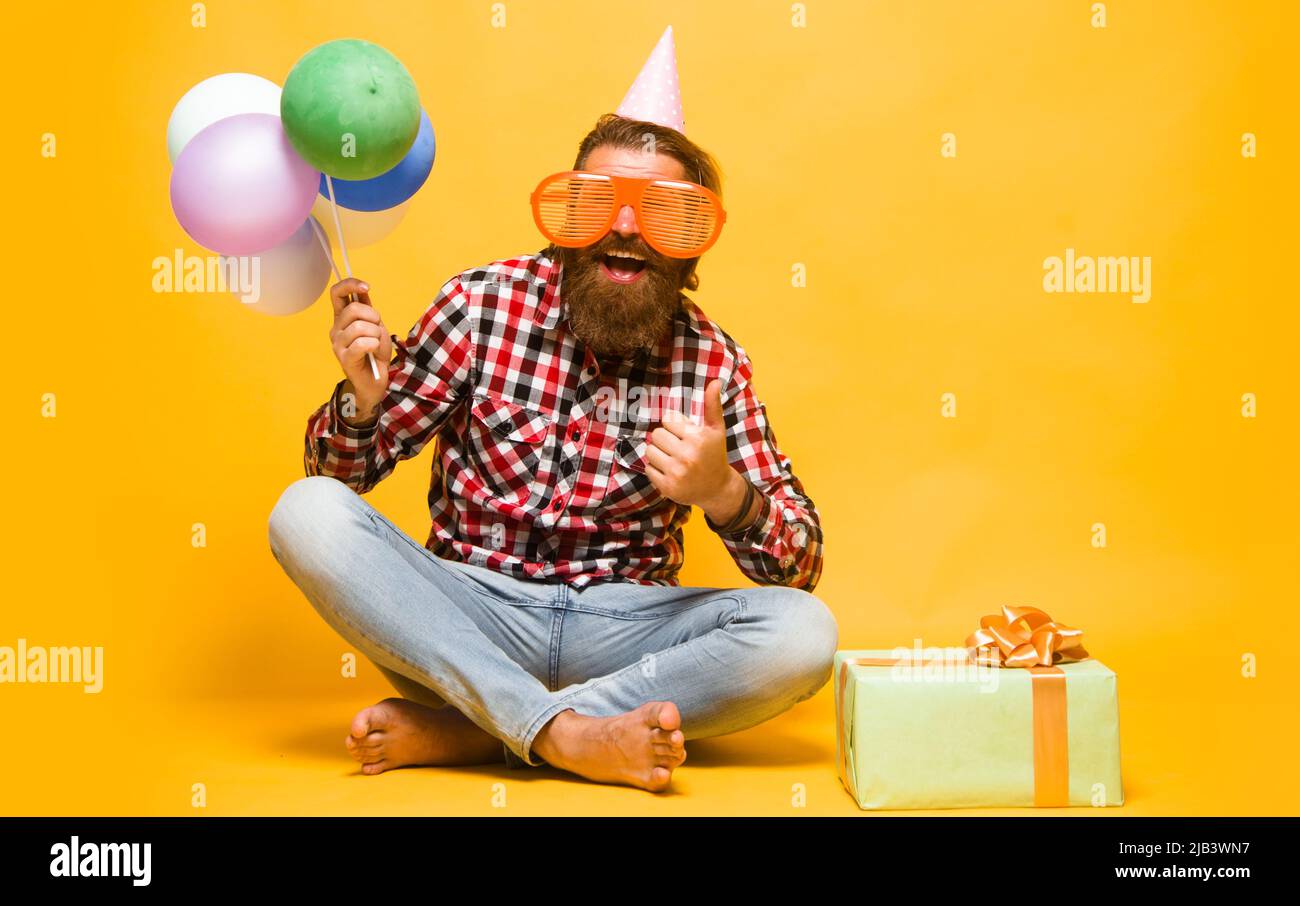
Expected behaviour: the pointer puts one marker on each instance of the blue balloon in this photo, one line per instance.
(391, 188)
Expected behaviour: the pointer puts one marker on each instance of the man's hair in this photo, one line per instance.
(617, 131)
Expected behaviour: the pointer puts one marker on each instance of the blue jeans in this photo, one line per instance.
(511, 654)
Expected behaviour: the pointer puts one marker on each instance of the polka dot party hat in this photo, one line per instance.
(655, 96)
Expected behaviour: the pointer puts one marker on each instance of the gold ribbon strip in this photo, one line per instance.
(1051, 738)
(1019, 637)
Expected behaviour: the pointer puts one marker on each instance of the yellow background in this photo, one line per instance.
(924, 278)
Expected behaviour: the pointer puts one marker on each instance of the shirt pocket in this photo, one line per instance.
(508, 443)
(629, 489)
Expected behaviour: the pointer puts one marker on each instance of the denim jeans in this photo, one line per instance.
(511, 654)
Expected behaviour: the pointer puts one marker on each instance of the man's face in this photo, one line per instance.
(621, 293)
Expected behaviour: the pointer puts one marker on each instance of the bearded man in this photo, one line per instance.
(582, 405)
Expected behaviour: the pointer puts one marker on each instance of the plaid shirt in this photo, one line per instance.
(541, 469)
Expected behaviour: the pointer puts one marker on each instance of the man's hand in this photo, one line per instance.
(688, 462)
(356, 331)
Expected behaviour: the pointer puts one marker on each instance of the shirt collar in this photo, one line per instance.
(550, 309)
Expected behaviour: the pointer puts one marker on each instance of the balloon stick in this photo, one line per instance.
(347, 265)
(325, 244)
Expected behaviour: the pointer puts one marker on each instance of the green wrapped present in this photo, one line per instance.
(1019, 717)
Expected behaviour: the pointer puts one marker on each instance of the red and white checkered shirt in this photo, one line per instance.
(541, 471)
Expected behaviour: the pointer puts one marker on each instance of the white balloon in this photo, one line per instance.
(283, 280)
(360, 228)
(215, 99)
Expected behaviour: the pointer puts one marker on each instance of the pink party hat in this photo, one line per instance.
(655, 96)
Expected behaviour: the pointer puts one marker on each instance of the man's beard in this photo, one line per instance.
(619, 318)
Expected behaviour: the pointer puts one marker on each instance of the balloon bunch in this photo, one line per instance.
(257, 168)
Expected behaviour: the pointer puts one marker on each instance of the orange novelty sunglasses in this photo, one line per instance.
(676, 218)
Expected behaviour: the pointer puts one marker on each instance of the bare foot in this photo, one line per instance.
(396, 733)
(640, 748)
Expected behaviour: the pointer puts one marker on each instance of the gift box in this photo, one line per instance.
(1020, 716)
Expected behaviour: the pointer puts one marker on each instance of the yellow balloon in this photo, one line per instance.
(360, 228)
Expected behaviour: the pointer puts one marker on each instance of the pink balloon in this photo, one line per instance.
(239, 188)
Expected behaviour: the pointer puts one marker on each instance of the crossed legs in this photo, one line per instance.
(607, 682)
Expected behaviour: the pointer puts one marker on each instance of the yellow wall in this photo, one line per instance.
(923, 278)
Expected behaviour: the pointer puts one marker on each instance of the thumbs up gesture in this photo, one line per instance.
(687, 461)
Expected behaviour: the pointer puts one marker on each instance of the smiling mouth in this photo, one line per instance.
(622, 267)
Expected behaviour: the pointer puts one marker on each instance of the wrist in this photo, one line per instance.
(359, 424)
(726, 506)
(354, 410)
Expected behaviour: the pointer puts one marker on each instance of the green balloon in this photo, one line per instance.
(350, 109)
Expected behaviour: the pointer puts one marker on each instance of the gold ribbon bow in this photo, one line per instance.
(1025, 637)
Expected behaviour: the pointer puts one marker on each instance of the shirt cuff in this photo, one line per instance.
(767, 538)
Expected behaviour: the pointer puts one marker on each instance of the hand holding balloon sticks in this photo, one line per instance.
(347, 265)
(352, 111)
(349, 124)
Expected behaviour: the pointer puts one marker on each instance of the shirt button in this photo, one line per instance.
(787, 561)
(577, 435)
(558, 502)
(591, 372)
